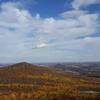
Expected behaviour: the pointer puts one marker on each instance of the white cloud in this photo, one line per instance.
(37, 16)
(73, 13)
(42, 45)
(20, 32)
(81, 3)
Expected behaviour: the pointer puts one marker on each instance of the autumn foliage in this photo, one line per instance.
(24, 81)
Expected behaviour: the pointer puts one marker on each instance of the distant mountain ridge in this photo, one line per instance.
(91, 69)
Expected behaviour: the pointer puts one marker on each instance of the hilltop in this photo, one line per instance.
(25, 69)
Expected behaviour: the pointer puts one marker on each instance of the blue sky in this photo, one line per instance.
(49, 30)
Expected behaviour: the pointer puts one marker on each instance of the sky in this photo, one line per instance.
(49, 31)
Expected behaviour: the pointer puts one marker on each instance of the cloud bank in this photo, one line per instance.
(32, 38)
(77, 4)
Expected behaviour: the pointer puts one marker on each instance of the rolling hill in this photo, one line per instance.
(25, 81)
